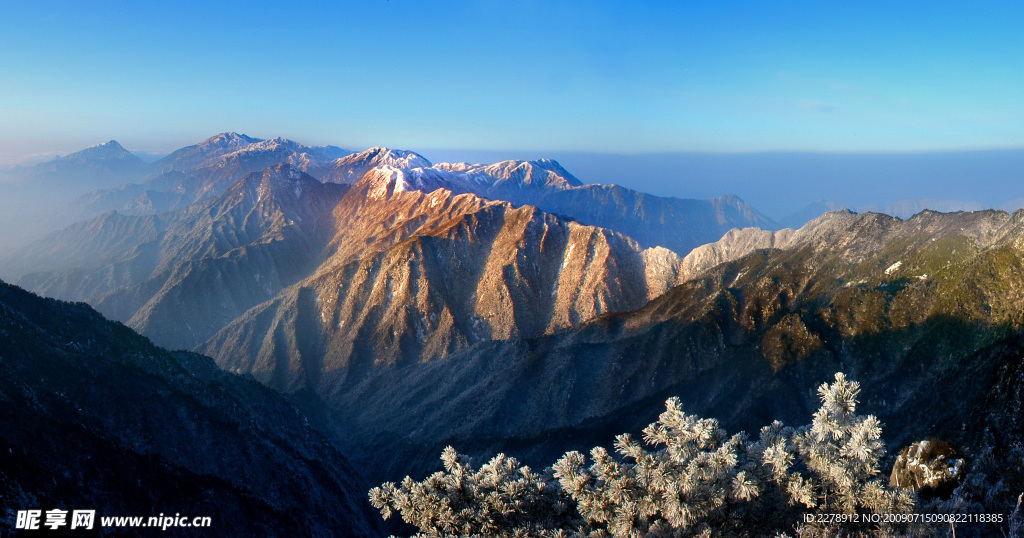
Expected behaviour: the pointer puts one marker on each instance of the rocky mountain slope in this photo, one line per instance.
(391, 259)
(181, 276)
(925, 313)
(418, 272)
(96, 417)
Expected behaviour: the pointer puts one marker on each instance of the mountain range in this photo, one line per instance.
(903, 209)
(405, 305)
(415, 275)
(203, 170)
(277, 226)
(926, 313)
(314, 283)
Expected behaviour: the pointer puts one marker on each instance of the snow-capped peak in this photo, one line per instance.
(229, 139)
(274, 144)
(545, 173)
(351, 168)
(385, 181)
(397, 158)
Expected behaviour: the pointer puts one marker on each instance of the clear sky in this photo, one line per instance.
(515, 75)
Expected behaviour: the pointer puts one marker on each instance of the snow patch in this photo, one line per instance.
(893, 268)
(568, 253)
(384, 177)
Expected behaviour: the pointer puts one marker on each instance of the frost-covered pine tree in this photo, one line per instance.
(832, 464)
(697, 480)
(502, 498)
(685, 487)
(843, 450)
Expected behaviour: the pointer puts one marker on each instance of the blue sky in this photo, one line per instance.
(531, 76)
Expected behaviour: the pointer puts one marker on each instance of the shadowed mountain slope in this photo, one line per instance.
(181, 276)
(96, 417)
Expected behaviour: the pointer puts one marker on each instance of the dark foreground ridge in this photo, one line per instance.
(97, 418)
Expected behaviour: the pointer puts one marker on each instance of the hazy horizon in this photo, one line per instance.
(778, 183)
(781, 104)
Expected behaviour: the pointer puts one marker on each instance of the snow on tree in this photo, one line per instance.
(689, 483)
(697, 481)
(843, 450)
(502, 498)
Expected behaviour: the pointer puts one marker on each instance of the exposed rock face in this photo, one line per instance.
(735, 244)
(673, 223)
(983, 228)
(930, 467)
(903, 209)
(96, 417)
(416, 275)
